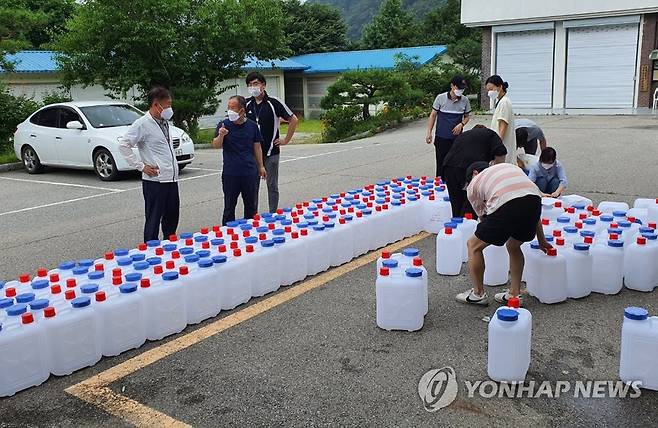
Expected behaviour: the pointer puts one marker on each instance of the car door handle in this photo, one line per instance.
(58, 138)
(33, 136)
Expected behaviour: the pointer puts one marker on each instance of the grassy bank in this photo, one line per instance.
(310, 131)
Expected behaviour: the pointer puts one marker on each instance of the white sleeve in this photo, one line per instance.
(130, 139)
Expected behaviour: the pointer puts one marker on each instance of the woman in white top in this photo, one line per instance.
(503, 117)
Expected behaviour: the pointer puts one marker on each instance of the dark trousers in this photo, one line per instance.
(234, 186)
(547, 186)
(455, 179)
(161, 208)
(441, 147)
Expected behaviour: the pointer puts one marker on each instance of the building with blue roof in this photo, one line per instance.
(301, 81)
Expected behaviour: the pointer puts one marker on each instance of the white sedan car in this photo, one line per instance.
(85, 135)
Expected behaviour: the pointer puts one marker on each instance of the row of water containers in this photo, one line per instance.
(67, 318)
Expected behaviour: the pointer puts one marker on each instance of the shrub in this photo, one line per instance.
(13, 110)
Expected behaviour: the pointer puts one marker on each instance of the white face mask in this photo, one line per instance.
(546, 165)
(233, 116)
(458, 92)
(493, 94)
(167, 113)
(254, 91)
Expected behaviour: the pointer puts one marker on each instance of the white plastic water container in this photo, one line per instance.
(24, 356)
(436, 212)
(318, 245)
(610, 206)
(639, 347)
(385, 255)
(231, 288)
(579, 271)
(640, 266)
(202, 298)
(418, 264)
(509, 346)
(467, 229)
(496, 265)
(400, 300)
(164, 307)
(652, 212)
(551, 210)
(295, 259)
(448, 251)
(266, 262)
(639, 213)
(608, 267)
(73, 337)
(643, 203)
(121, 320)
(343, 243)
(551, 285)
(572, 200)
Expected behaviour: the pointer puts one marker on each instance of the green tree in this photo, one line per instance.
(16, 22)
(392, 27)
(55, 13)
(13, 110)
(188, 46)
(313, 27)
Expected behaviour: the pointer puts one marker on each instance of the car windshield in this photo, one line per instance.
(110, 115)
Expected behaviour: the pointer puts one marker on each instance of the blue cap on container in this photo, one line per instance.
(549, 239)
(570, 229)
(302, 225)
(267, 215)
(121, 252)
(186, 251)
(646, 229)
(169, 247)
(25, 297)
(286, 222)
(219, 258)
(316, 200)
(153, 243)
(203, 253)
(17, 309)
(615, 230)
(329, 225)
(615, 243)
(590, 221)
(345, 205)
(279, 217)
(318, 227)
(138, 257)
(390, 263)
(451, 225)
(650, 236)
(278, 232)
(579, 206)
(534, 245)
(217, 241)
(66, 265)
(5, 303)
(334, 196)
(446, 198)
(411, 252)
(563, 219)
(90, 288)
(287, 210)
(141, 265)
(348, 217)
(395, 203)
(326, 210)
(170, 276)
(584, 233)
(81, 302)
(246, 227)
(85, 262)
(250, 239)
(191, 258)
(619, 213)
(267, 243)
(457, 219)
(154, 261)
(40, 284)
(262, 229)
(309, 216)
(313, 222)
(81, 270)
(128, 288)
(367, 211)
(624, 223)
(382, 182)
(412, 198)
(426, 193)
(580, 247)
(635, 313)
(123, 261)
(413, 272)
(133, 277)
(507, 314)
(362, 206)
(201, 238)
(279, 239)
(39, 304)
(96, 275)
(242, 221)
(607, 217)
(186, 235)
(205, 263)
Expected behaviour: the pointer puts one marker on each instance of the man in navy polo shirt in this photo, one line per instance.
(240, 141)
(450, 113)
(267, 112)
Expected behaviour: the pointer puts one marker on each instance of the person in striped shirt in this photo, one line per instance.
(509, 207)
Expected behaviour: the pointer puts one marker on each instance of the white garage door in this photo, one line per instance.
(601, 66)
(525, 61)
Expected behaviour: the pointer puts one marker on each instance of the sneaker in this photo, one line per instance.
(471, 298)
(505, 296)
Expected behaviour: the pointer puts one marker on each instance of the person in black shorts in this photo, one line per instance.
(509, 206)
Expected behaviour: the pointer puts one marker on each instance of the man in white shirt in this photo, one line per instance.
(151, 135)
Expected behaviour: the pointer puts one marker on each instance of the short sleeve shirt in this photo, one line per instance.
(268, 115)
(450, 114)
(238, 148)
(534, 131)
(505, 113)
(478, 144)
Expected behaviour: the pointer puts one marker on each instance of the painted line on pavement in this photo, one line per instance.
(59, 183)
(95, 390)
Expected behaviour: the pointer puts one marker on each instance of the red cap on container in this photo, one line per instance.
(383, 271)
(55, 289)
(320, 205)
(304, 232)
(257, 216)
(552, 252)
(280, 211)
(222, 248)
(571, 210)
(257, 223)
(359, 214)
(557, 233)
(159, 251)
(294, 235)
(117, 280)
(142, 247)
(204, 230)
(448, 231)
(144, 283)
(582, 216)
(578, 225)
(558, 204)
(100, 296)
(514, 302)
(69, 294)
(245, 233)
(342, 220)
(298, 206)
(588, 240)
(235, 237)
(614, 236)
(237, 252)
(70, 283)
(325, 219)
(183, 270)
(49, 312)
(23, 278)
(468, 216)
(271, 226)
(234, 245)
(215, 228)
(295, 220)
(641, 240)
(98, 267)
(432, 198)
(175, 254)
(109, 255)
(54, 277)
(218, 234)
(170, 264)
(27, 318)
(386, 254)
(157, 269)
(545, 222)
(42, 272)
(249, 248)
(189, 242)
(590, 208)
(559, 241)
(631, 219)
(173, 238)
(10, 292)
(117, 272)
(614, 225)
(205, 245)
(418, 261)
(378, 208)
(652, 225)
(229, 231)
(596, 213)
(288, 229)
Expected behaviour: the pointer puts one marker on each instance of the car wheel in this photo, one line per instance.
(104, 165)
(31, 160)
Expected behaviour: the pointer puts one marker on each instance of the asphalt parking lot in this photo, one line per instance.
(314, 356)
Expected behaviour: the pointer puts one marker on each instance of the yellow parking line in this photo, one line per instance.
(94, 390)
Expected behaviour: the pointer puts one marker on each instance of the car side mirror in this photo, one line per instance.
(74, 124)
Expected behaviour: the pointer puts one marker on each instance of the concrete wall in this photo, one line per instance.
(488, 12)
(648, 43)
(487, 66)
